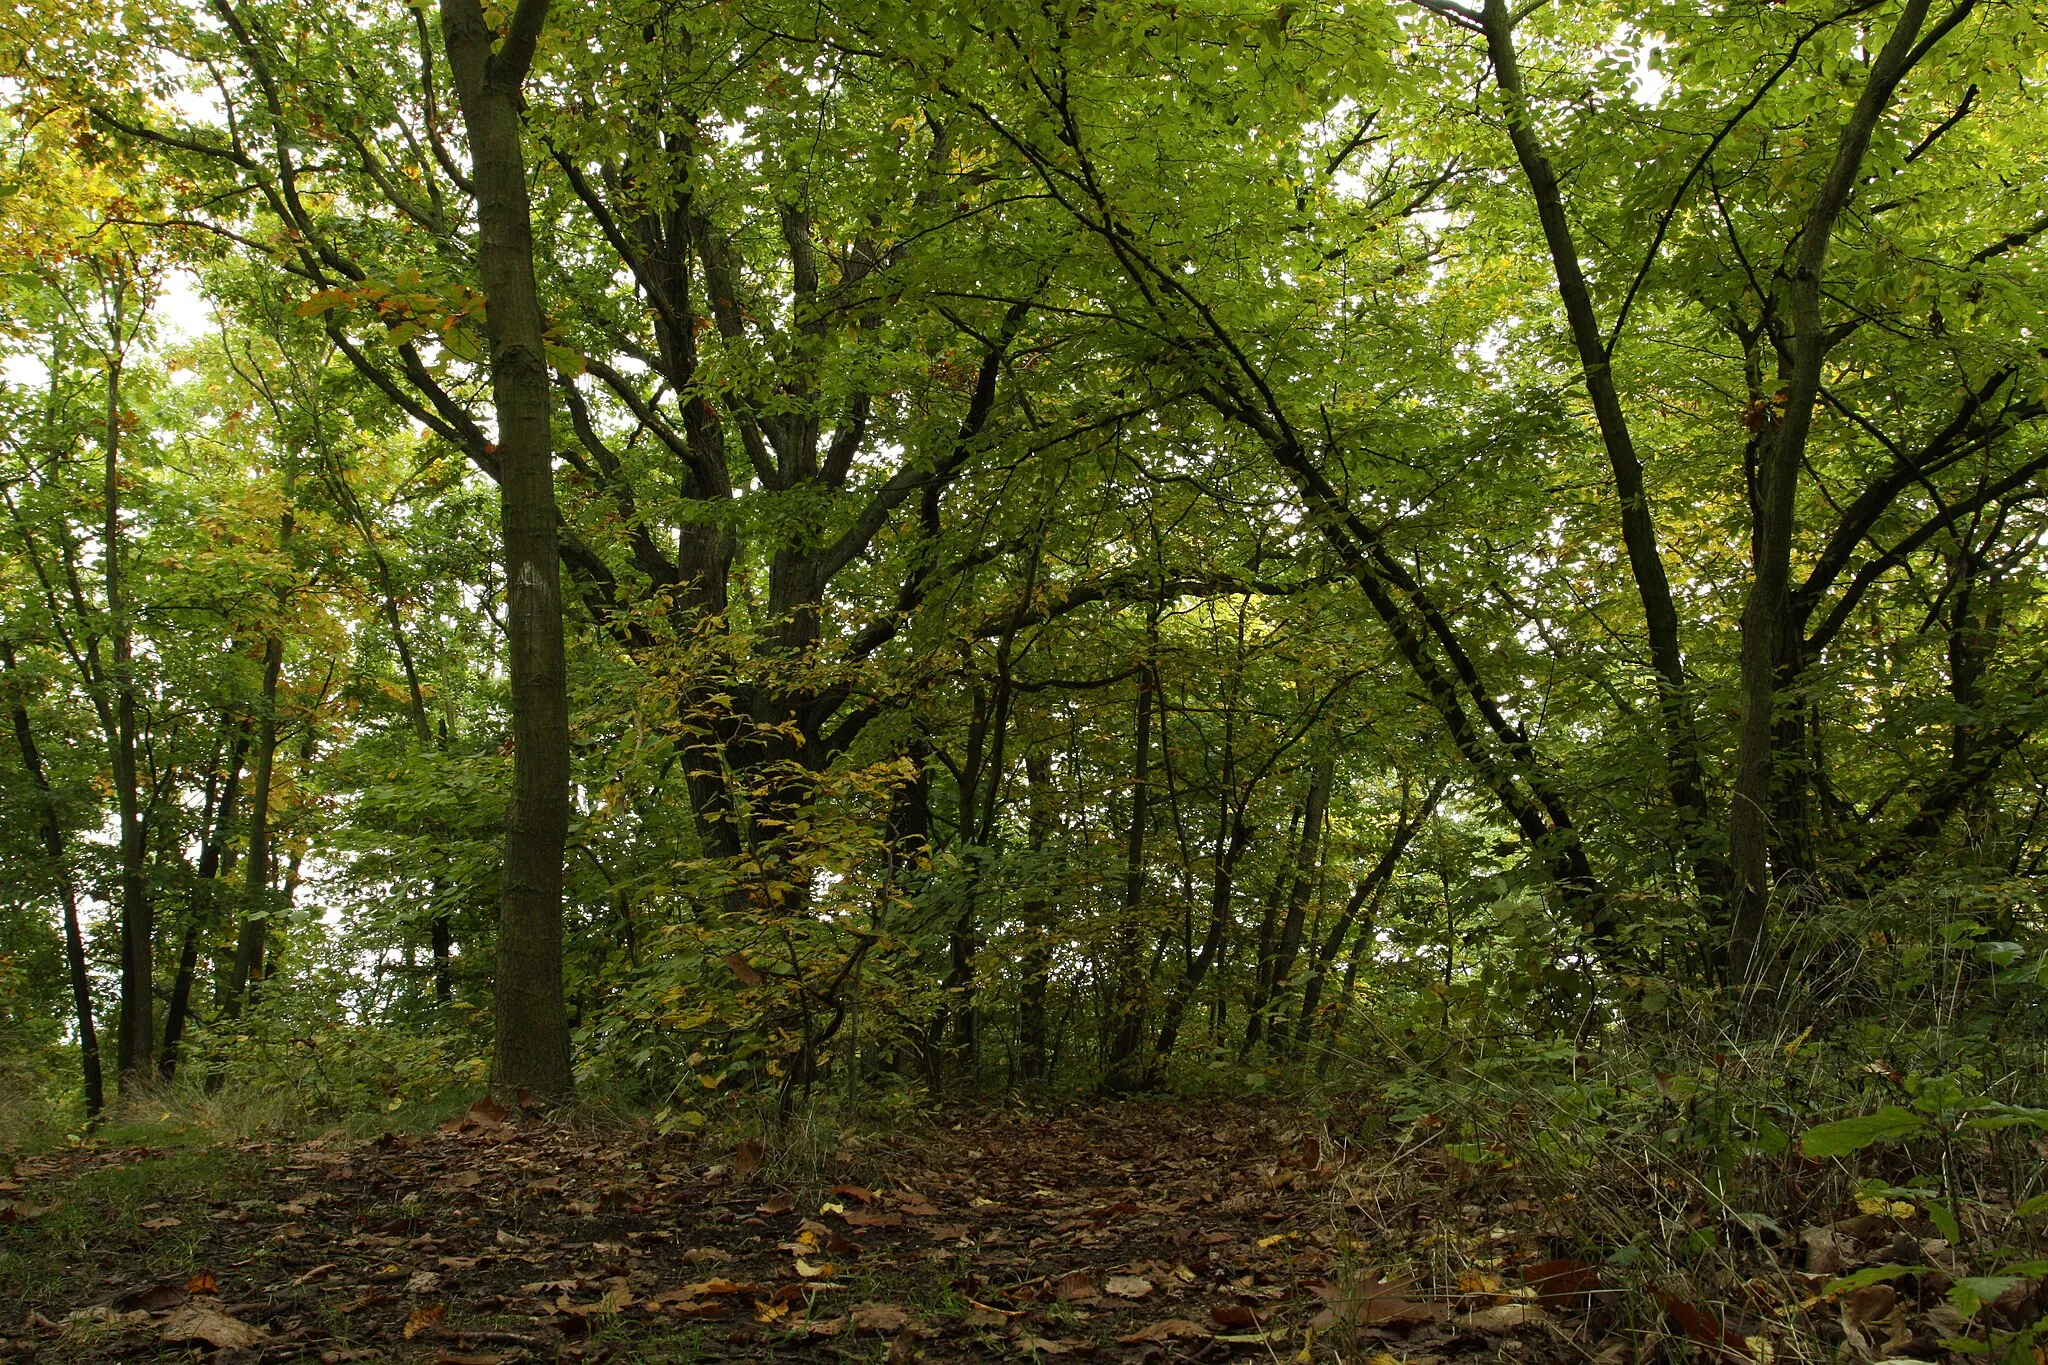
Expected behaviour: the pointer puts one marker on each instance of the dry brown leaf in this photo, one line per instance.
(878, 1319)
(1076, 1286)
(425, 1319)
(780, 1204)
(719, 1287)
(159, 1224)
(1507, 1317)
(1170, 1329)
(1128, 1286)
(216, 1329)
(1372, 1301)
(861, 1218)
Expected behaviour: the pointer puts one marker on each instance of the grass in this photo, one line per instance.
(97, 1219)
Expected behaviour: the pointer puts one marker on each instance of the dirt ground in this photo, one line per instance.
(1127, 1232)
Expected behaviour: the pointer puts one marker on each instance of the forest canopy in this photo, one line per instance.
(862, 553)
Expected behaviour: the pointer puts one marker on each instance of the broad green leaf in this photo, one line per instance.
(1845, 1136)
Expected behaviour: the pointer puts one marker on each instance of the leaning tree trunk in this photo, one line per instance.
(532, 1051)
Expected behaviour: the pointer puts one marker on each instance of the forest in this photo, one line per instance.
(1430, 611)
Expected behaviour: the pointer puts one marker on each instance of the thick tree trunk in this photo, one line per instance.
(1767, 616)
(532, 1049)
(67, 896)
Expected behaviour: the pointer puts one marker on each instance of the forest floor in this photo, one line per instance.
(1128, 1232)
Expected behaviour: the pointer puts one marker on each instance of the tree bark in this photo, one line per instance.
(1127, 996)
(1307, 865)
(201, 913)
(1769, 624)
(532, 1047)
(1638, 527)
(254, 924)
(67, 894)
(1035, 913)
(136, 1045)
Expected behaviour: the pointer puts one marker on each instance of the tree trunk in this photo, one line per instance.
(1307, 867)
(67, 894)
(1767, 615)
(1127, 994)
(249, 935)
(1035, 913)
(1638, 527)
(136, 1046)
(204, 903)
(1364, 896)
(532, 1049)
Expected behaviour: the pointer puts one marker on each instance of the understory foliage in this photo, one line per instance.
(1490, 557)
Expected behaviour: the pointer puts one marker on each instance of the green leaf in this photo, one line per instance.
(1844, 1136)
(1973, 1293)
(1875, 1274)
(1945, 1222)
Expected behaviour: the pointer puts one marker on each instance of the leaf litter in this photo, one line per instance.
(1132, 1231)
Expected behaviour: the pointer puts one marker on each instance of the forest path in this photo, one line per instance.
(1135, 1231)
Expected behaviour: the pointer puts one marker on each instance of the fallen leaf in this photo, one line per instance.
(855, 1193)
(217, 1330)
(159, 1224)
(316, 1274)
(780, 1204)
(153, 1298)
(425, 1319)
(202, 1283)
(488, 1110)
(860, 1218)
(947, 1232)
(1565, 1284)
(469, 1358)
(1701, 1325)
(747, 1157)
(812, 1272)
(1372, 1301)
(1171, 1329)
(1505, 1318)
(1043, 1346)
(1076, 1286)
(719, 1287)
(1128, 1286)
(1235, 1315)
(423, 1282)
(878, 1319)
